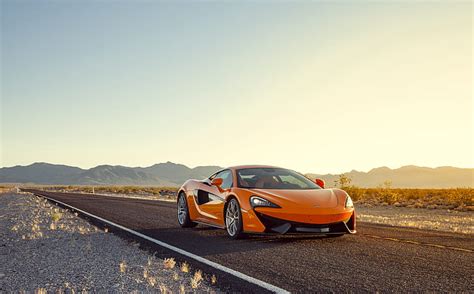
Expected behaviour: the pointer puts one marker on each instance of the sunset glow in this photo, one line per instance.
(313, 86)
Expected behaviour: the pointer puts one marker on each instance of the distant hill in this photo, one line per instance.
(39, 172)
(162, 174)
(408, 177)
(179, 173)
(117, 175)
(172, 174)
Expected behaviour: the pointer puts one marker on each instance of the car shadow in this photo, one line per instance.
(208, 241)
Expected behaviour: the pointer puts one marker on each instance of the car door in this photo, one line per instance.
(210, 199)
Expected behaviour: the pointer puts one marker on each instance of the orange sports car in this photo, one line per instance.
(265, 199)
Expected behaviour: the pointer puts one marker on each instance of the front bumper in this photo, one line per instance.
(281, 226)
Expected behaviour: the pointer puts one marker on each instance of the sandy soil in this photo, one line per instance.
(45, 248)
(432, 219)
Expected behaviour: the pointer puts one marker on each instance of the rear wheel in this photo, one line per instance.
(183, 212)
(233, 219)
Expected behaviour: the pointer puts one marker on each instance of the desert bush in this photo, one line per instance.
(460, 198)
(56, 216)
(343, 181)
(449, 198)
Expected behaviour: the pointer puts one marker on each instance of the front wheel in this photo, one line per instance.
(183, 212)
(233, 219)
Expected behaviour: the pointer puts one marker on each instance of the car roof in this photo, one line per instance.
(251, 166)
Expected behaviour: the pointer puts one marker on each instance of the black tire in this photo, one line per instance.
(233, 219)
(183, 212)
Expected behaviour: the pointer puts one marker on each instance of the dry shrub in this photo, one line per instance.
(40, 291)
(446, 198)
(122, 267)
(196, 279)
(151, 281)
(185, 267)
(169, 263)
(56, 216)
(213, 279)
(164, 289)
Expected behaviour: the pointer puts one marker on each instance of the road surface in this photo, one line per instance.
(377, 258)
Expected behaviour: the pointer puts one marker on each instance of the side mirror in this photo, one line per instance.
(320, 183)
(217, 182)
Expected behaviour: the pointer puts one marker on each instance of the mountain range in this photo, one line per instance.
(161, 174)
(172, 174)
(409, 176)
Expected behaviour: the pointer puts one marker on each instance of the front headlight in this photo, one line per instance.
(256, 201)
(349, 203)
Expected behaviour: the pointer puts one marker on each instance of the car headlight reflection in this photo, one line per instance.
(256, 201)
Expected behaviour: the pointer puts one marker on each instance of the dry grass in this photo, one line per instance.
(44, 218)
(213, 279)
(185, 267)
(56, 216)
(461, 199)
(164, 289)
(40, 291)
(158, 275)
(169, 263)
(123, 266)
(151, 281)
(151, 274)
(196, 279)
(7, 188)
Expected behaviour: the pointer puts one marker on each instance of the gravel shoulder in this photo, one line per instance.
(421, 218)
(44, 247)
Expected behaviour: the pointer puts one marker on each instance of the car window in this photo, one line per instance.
(290, 179)
(273, 178)
(226, 176)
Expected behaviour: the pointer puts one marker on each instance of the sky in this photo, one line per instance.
(323, 87)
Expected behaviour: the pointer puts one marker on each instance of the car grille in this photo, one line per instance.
(282, 226)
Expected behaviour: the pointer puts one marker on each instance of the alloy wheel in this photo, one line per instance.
(182, 210)
(232, 218)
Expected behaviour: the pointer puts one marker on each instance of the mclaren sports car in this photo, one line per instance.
(265, 199)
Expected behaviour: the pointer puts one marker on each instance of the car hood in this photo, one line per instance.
(323, 198)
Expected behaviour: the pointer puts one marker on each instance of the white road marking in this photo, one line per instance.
(215, 265)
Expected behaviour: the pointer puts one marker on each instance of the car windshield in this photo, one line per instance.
(273, 178)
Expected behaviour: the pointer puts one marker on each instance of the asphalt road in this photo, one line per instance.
(377, 258)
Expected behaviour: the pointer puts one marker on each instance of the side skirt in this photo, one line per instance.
(209, 224)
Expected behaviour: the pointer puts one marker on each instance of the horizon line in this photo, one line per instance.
(192, 167)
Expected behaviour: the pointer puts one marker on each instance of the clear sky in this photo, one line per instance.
(314, 86)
